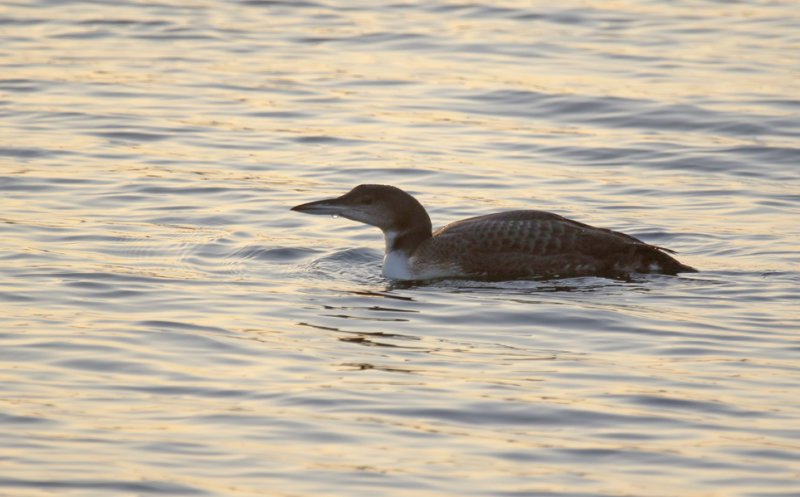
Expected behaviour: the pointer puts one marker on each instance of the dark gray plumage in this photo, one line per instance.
(506, 245)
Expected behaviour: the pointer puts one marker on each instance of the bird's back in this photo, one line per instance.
(531, 243)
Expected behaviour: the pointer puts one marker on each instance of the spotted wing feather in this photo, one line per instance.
(540, 244)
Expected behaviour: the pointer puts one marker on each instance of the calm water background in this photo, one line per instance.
(170, 328)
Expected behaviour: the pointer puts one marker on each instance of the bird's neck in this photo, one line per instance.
(405, 242)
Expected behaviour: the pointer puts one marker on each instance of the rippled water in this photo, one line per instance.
(170, 327)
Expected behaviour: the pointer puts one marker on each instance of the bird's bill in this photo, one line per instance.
(327, 207)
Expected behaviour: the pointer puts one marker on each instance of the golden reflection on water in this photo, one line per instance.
(168, 318)
(701, 51)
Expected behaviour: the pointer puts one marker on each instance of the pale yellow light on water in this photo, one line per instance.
(170, 327)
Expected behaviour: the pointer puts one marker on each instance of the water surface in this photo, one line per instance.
(171, 328)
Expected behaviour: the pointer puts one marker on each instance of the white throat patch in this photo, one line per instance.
(395, 266)
(390, 237)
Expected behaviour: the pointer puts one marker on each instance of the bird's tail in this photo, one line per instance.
(658, 260)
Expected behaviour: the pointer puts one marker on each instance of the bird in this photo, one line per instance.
(517, 244)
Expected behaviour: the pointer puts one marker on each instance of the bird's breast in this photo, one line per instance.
(397, 266)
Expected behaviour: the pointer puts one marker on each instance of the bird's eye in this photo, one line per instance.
(367, 201)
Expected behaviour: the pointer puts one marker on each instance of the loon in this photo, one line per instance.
(502, 246)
